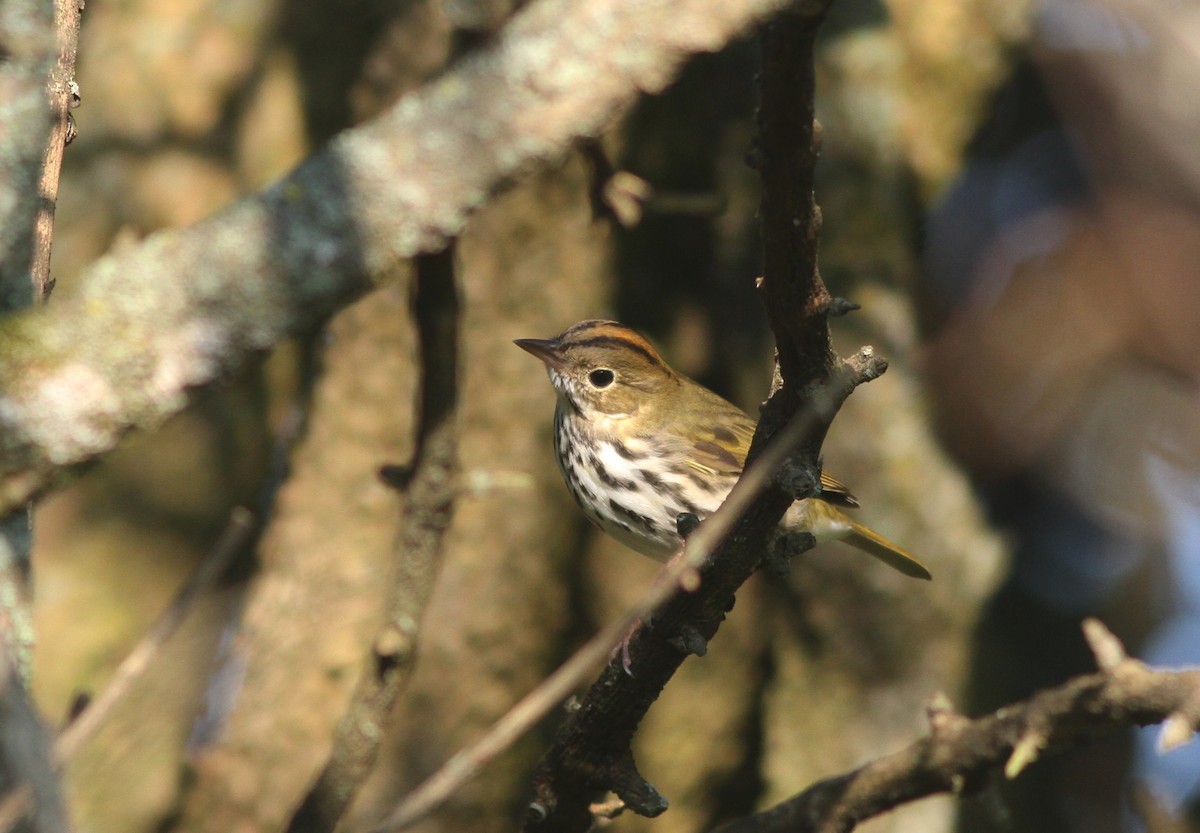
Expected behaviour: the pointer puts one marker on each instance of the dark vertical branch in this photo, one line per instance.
(591, 753)
(795, 297)
(429, 485)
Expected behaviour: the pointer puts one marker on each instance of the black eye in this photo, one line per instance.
(601, 378)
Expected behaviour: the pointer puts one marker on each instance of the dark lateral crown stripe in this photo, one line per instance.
(613, 341)
(609, 332)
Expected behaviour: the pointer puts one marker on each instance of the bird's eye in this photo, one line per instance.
(601, 378)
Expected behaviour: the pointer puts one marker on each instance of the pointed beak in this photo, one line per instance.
(544, 349)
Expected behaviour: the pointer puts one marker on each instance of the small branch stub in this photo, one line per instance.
(1027, 750)
(1177, 730)
(842, 306)
(638, 794)
(1106, 648)
(690, 641)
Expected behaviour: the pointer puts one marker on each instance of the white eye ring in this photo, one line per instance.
(601, 377)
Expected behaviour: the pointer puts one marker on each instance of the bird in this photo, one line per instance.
(640, 445)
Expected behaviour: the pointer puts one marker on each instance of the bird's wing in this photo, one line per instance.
(722, 449)
(721, 445)
(835, 491)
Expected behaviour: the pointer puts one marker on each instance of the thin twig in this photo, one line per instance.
(84, 727)
(430, 484)
(63, 98)
(467, 763)
(959, 754)
(16, 804)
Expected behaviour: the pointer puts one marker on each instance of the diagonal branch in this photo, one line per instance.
(429, 484)
(592, 753)
(523, 716)
(186, 306)
(17, 802)
(959, 754)
(87, 723)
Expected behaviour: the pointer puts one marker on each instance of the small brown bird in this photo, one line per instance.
(640, 444)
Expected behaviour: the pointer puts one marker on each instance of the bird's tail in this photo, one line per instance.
(872, 543)
(828, 523)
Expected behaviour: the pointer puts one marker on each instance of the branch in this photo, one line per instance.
(88, 722)
(186, 307)
(797, 303)
(17, 802)
(959, 754)
(27, 38)
(63, 98)
(679, 573)
(591, 754)
(430, 484)
(27, 44)
(25, 754)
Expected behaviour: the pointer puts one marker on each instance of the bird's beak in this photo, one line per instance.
(544, 349)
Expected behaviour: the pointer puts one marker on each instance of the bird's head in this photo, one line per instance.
(604, 368)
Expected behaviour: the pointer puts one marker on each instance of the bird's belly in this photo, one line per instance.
(634, 497)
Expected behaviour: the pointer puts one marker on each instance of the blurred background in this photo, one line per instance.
(1010, 191)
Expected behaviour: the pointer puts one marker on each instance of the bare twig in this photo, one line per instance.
(430, 485)
(619, 196)
(468, 762)
(958, 755)
(16, 803)
(64, 97)
(84, 727)
(198, 302)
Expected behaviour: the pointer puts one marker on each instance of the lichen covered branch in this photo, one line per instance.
(186, 307)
